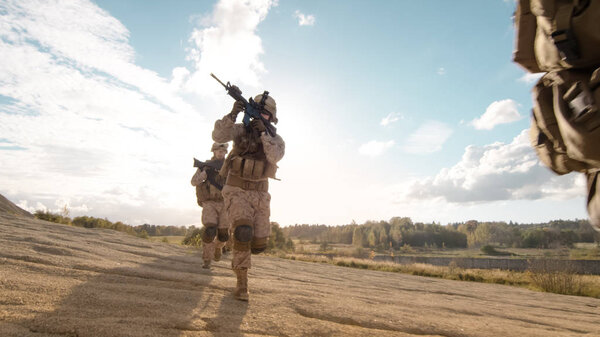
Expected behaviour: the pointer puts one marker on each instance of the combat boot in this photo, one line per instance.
(206, 264)
(241, 289)
(218, 252)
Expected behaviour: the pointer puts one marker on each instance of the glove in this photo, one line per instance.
(236, 109)
(258, 125)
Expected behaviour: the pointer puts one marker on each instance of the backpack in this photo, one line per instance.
(562, 38)
(557, 34)
(565, 130)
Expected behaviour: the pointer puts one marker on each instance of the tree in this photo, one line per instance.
(358, 237)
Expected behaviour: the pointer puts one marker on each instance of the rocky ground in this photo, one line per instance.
(57, 280)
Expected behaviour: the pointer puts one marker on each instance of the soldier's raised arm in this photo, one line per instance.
(225, 128)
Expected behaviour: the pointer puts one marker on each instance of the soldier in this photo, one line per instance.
(247, 169)
(216, 228)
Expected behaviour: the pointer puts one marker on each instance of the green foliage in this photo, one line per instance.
(360, 252)
(52, 217)
(278, 241)
(143, 234)
(154, 230)
(92, 222)
(193, 237)
(143, 231)
(585, 253)
(399, 231)
(491, 250)
(383, 235)
(548, 277)
(324, 246)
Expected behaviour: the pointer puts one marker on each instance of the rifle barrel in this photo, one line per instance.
(215, 77)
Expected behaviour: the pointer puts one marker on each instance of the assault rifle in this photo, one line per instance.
(212, 170)
(252, 109)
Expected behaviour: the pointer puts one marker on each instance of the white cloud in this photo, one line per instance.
(441, 71)
(99, 43)
(375, 148)
(499, 112)
(530, 78)
(392, 117)
(82, 118)
(428, 138)
(497, 172)
(228, 46)
(304, 20)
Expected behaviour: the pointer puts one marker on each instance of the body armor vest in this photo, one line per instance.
(207, 189)
(247, 161)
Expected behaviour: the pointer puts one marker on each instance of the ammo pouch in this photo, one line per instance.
(565, 129)
(206, 191)
(557, 34)
(576, 103)
(253, 169)
(545, 133)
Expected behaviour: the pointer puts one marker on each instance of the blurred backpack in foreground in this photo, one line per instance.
(562, 38)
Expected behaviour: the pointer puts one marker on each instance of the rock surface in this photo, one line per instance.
(58, 280)
(6, 206)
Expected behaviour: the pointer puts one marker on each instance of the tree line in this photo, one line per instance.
(278, 241)
(401, 231)
(144, 230)
(192, 235)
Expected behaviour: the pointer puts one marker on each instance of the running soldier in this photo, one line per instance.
(208, 192)
(247, 169)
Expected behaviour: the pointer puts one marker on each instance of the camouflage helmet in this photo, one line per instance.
(270, 106)
(217, 146)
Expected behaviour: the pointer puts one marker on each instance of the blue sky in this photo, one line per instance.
(388, 108)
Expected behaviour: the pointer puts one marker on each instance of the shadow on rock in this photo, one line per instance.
(168, 297)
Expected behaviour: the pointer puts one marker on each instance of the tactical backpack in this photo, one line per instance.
(562, 38)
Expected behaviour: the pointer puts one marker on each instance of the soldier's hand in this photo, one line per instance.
(236, 109)
(258, 125)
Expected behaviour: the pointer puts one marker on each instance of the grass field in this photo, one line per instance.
(578, 251)
(167, 239)
(540, 280)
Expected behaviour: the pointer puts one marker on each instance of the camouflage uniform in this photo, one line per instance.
(247, 200)
(216, 227)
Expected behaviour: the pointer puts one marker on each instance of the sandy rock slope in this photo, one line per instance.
(57, 280)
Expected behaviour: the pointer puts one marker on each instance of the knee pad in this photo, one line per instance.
(258, 245)
(223, 234)
(242, 236)
(209, 234)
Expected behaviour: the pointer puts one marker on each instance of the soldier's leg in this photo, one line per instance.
(242, 239)
(239, 212)
(210, 219)
(262, 224)
(222, 233)
(222, 238)
(240, 263)
(208, 244)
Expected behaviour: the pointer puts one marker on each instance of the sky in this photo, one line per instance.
(387, 108)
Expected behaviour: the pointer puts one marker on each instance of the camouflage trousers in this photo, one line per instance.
(251, 208)
(213, 215)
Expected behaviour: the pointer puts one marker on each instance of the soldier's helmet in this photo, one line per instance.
(217, 146)
(270, 106)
